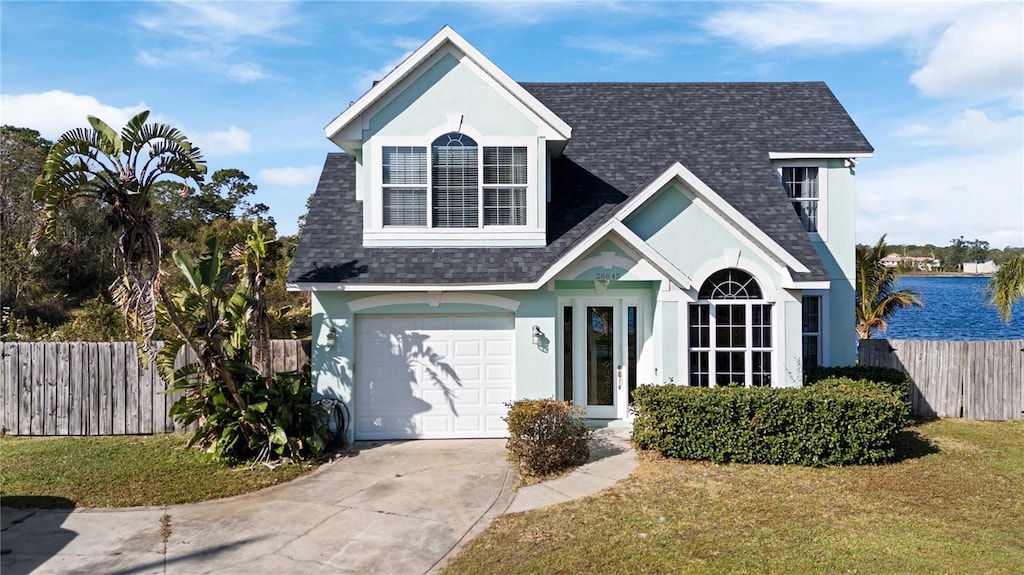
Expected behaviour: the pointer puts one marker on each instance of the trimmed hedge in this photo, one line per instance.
(898, 381)
(837, 421)
(546, 436)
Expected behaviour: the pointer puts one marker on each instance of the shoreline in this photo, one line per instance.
(944, 275)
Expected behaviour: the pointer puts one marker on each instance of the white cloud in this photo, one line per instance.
(967, 49)
(290, 176)
(613, 46)
(365, 80)
(971, 130)
(55, 112)
(210, 35)
(530, 13)
(231, 141)
(830, 25)
(980, 53)
(979, 196)
(225, 21)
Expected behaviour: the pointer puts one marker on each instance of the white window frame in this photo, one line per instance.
(816, 333)
(822, 166)
(530, 234)
(577, 306)
(824, 323)
(425, 186)
(748, 349)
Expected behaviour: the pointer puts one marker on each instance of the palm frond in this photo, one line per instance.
(1007, 287)
(877, 298)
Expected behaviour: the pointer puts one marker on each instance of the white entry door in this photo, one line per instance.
(433, 376)
(599, 354)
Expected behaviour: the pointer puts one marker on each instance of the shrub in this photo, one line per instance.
(281, 421)
(546, 436)
(896, 381)
(99, 320)
(836, 422)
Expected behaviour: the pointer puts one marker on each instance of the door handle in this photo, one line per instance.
(620, 376)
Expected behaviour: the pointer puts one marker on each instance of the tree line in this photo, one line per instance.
(61, 293)
(959, 250)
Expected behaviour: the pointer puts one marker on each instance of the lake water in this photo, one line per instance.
(955, 308)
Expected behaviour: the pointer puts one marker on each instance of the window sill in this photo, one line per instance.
(449, 237)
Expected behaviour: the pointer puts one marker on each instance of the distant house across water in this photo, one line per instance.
(986, 268)
(924, 264)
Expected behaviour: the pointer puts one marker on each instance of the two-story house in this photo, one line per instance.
(481, 240)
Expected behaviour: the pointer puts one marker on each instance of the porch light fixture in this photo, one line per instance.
(332, 338)
(537, 334)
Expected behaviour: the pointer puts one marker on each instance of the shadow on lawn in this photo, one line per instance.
(910, 444)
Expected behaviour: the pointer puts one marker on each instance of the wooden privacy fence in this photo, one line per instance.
(980, 380)
(84, 388)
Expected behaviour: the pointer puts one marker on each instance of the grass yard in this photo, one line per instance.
(953, 504)
(121, 472)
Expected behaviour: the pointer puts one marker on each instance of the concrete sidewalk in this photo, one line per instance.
(386, 507)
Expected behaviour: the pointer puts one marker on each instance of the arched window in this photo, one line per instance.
(455, 181)
(730, 330)
(730, 283)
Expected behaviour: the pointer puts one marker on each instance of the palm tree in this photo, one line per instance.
(1007, 286)
(877, 298)
(119, 171)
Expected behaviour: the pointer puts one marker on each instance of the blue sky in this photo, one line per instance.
(938, 88)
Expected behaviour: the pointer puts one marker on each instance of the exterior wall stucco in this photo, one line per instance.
(698, 245)
(334, 371)
(692, 238)
(838, 255)
(425, 108)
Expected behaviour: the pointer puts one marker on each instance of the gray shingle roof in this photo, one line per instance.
(623, 135)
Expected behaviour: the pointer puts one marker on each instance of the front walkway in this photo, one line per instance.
(612, 459)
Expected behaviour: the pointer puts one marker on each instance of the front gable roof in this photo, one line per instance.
(344, 129)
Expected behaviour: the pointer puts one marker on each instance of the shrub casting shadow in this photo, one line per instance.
(602, 447)
(910, 444)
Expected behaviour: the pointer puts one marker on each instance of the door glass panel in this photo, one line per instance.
(600, 355)
(631, 347)
(567, 354)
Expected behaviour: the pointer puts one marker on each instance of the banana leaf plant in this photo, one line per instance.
(241, 412)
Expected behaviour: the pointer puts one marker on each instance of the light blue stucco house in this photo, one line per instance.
(481, 240)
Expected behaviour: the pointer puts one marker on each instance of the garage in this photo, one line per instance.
(433, 376)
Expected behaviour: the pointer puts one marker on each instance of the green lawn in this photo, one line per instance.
(954, 503)
(121, 472)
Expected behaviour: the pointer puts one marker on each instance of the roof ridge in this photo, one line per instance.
(742, 83)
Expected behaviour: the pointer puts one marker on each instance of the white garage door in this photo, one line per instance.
(432, 376)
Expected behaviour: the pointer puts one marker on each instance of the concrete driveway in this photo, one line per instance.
(388, 507)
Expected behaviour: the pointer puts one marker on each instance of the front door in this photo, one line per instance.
(599, 351)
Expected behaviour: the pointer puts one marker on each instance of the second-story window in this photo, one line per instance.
(505, 186)
(445, 189)
(404, 180)
(802, 186)
(455, 182)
